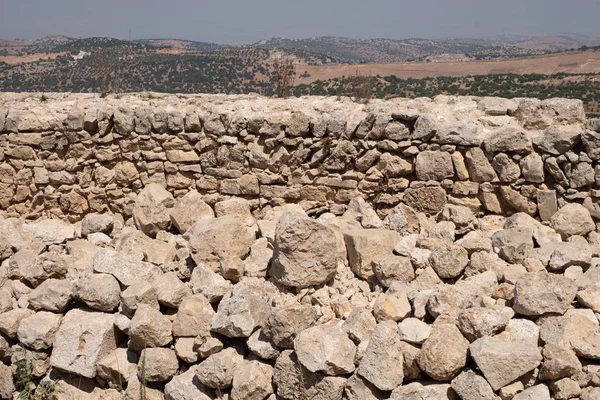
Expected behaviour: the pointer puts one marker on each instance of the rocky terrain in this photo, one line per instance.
(238, 247)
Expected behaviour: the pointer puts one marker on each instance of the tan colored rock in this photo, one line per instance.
(157, 365)
(540, 293)
(252, 381)
(470, 386)
(433, 165)
(504, 361)
(448, 260)
(302, 254)
(284, 323)
(224, 238)
(83, 339)
(394, 307)
(325, 348)
(389, 268)
(118, 366)
(217, 371)
(98, 291)
(428, 199)
(52, 295)
(239, 314)
(572, 219)
(366, 244)
(444, 353)
(187, 387)
(37, 331)
(188, 210)
(151, 212)
(149, 328)
(383, 358)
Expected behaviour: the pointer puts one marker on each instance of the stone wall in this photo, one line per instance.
(66, 155)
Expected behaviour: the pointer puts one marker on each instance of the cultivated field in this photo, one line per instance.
(578, 62)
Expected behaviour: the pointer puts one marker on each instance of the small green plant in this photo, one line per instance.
(46, 390)
(22, 376)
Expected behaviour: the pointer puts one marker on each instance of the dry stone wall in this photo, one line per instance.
(69, 155)
(438, 249)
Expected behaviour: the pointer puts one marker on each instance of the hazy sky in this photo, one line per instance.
(247, 21)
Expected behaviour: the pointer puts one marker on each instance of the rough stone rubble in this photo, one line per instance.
(420, 289)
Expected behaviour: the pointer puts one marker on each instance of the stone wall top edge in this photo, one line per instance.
(32, 112)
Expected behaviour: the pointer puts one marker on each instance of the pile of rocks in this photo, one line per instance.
(185, 300)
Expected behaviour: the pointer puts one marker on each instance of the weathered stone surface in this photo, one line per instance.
(98, 291)
(188, 210)
(557, 140)
(381, 363)
(541, 293)
(187, 387)
(283, 324)
(389, 268)
(325, 348)
(221, 240)
(477, 322)
(480, 169)
(151, 212)
(252, 381)
(470, 386)
(149, 328)
(572, 219)
(503, 361)
(540, 392)
(117, 366)
(419, 391)
(83, 339)
(448, 261)
(444, 353)
(52, 295)
(217, 371)
(364, 245)
(428, 199)
(239, 314)
(507, 140)
(157, 364)
(37, 331)
(302, 255)
(559, 362)
(434, 166)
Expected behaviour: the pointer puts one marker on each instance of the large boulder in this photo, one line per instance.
(83, 339)
(303, 253)
(151, 212)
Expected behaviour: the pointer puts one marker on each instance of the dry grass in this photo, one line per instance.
(576, 62)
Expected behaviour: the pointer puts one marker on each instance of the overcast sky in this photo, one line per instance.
(247, 21)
